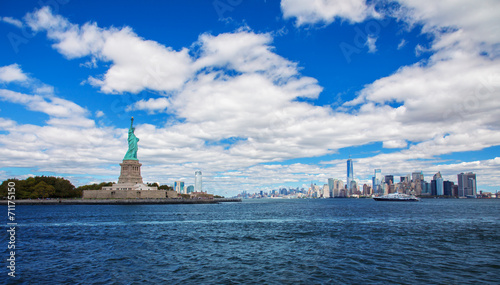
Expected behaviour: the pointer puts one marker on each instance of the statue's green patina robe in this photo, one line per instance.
(132, 143)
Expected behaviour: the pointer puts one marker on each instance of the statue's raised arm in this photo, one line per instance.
(132, 143)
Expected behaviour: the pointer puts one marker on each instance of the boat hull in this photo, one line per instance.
(396, 200)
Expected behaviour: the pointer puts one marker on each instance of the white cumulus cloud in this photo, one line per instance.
(136, 64)
(12, 73)
(326, 11)
(370, 43)
(12, 21)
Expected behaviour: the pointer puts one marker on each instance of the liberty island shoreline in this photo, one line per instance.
(119, 201)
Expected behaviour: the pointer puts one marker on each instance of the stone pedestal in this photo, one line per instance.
(130, 172)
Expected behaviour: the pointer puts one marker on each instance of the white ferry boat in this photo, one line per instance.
(397, 197)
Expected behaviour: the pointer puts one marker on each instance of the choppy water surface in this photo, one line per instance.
(330, 241)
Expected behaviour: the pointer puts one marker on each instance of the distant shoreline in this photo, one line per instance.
(118, 201)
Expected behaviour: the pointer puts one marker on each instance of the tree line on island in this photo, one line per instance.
(43, 187)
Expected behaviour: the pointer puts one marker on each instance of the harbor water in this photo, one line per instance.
(268, 241)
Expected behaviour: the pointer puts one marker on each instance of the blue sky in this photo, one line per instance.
(256, 94)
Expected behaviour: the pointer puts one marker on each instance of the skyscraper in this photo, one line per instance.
(389, 179)
(197, 181)
(353, 187)
(337, 186)
(376, 180)
(179, 187)
(447, 188)
(326, 191)
(466, 184)
(437, 185)
(366, 190)
(350, 174)
(330, 186)
(417, 182)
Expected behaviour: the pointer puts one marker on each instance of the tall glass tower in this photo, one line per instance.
(197, 181)
(331, 184)
(376, 181)
(350, 174)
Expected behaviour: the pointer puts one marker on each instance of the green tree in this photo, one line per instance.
(94, 186)
(43, 190)
(166, 187)
(24, 188)
(5, 186)
(32, 187)
(64, 189)
(161, 187)
(185, 196)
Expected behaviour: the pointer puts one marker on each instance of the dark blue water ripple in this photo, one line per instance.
(333, 241)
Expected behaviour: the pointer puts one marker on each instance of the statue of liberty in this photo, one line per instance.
(132, 143)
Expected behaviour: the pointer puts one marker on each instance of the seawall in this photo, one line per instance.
(118, 201)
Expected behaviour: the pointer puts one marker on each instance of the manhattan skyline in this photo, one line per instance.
(255, 94)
